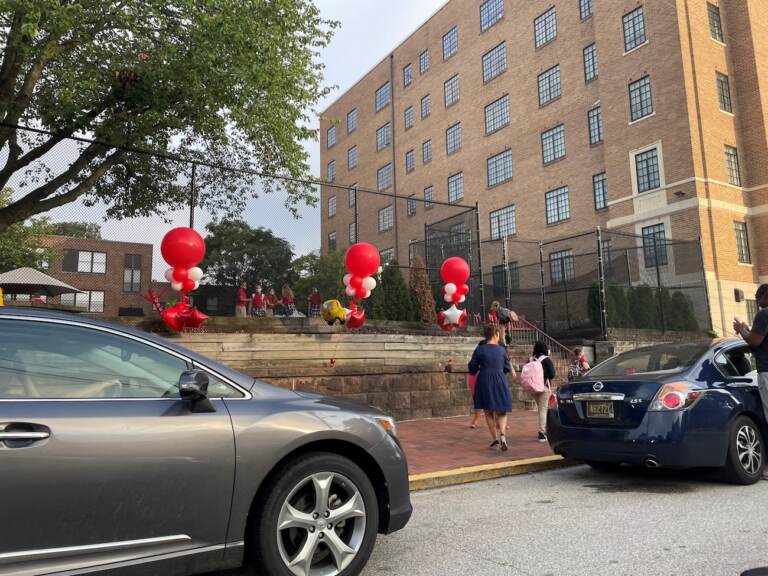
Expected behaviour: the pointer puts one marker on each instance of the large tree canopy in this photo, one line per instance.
(219, 81)
(20, 244)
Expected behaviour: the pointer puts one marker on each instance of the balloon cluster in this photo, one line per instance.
(362, 261)
(183, 249)
(455, 273)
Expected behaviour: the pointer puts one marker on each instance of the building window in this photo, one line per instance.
(450, 43)
(503, 223)
(453, 139)
(724, 93)
(331, 206)
(590, 62)
(655, 246)
(605, 253)
(384, 177)
(423, 61)
(384, 136)
(585, 9)
(647, 170)
(459, 234)
(715, 24)
(331, 171)
(499, 282)
(595, 122)
(332, 242)
(410, 161)
(84, 262)
(426, 106)
(494, 62)
(387, 256)
(456, 187)
(634, 29)
(132, 273)
(386, 218)
(92, 301)
(600, 190)
(732, 163)
(558, 205)
(549, 85)
(497, 114)
(553, 144)
(426, 151)
(451, 90)
(407, 75)
(428, 197)
(499, 168)
(352, 232)
(352, 158)
(491, 12)
(742, 242)
(413, 251)
(351, 121)
(545, 27)
(383, 96)
(408, 117)
(330, 136)
(410, 206)
(561, 267)
(353, 195)
(640, 99)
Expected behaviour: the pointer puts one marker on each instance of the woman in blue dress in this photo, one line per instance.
(491, 389)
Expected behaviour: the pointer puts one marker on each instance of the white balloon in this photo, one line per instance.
(381, 269)
(369, 283)
(197, 285)
(448, 298)
(169, 275)
(367, 294)
(462, 299)
(346, 279)
(176, 286)
(195, 274)
(350, 291)
(450, 288)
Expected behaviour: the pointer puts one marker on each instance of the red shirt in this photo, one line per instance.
(315, 298)
(242, 297)
(259, 300)
(271, 300)
(286, 301)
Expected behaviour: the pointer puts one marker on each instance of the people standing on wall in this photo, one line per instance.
(288, 301)
(258, 303)
(271, 302)
(315, 302)
(579, 365)
(241, 301)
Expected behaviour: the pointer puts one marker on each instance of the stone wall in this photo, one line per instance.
(621, 340)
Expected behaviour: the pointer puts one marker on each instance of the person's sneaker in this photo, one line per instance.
(504, 446)
(542, 437)
(494, 444)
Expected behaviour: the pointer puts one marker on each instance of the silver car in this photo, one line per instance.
(123, 454)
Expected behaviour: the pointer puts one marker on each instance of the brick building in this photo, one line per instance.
(556, 117)
(112, 275)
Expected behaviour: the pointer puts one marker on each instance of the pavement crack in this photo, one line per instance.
(500, 563)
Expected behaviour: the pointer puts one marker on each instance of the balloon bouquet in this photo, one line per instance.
(362, 261)
(455, 273)
(183, 249)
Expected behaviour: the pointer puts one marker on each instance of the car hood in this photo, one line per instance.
(340, 403)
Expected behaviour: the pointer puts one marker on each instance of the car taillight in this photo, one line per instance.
(552, 402)
(675, 396)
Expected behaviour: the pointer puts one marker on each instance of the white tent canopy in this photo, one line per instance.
(31, 281)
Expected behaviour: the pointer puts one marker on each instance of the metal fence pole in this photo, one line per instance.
(505, 262)
(480, 258)
(601, 285)
(192, 196)
(357, 225)
(658, 282)
(543, 286)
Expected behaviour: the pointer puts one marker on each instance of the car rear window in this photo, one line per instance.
(655, 359)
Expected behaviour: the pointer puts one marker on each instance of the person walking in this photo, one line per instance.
(472, 382)
(756, 338)
(271, 302)
(579, 365)
(241, 301)
(490, 363)
(541, 354)
(258, 303)
(315, 301)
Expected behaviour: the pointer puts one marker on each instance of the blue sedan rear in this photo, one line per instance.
(681, 405)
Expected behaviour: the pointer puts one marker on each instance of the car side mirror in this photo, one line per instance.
(193, 386)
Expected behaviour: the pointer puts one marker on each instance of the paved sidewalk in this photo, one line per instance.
(441, 444)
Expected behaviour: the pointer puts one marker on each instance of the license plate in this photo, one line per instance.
(599, 409)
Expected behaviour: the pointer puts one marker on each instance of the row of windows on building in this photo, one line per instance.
(90, 262)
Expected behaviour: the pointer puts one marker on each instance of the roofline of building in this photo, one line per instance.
(97, 240)
(384, 59)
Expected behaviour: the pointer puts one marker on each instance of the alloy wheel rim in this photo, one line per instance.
(321, 525)
(749, 449)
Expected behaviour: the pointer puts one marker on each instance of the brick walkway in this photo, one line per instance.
(438, 444)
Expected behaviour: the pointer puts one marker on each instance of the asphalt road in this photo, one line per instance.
(580, 522)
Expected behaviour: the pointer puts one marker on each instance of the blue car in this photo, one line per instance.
(684, 405)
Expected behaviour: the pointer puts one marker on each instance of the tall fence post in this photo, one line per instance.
(192, 196)
(658, 282)
(543, 286)
(601, 285)
(706, 286)
(505, 262)
(480, 258)
(357, 225)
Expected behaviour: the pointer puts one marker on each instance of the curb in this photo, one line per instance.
(457, 476)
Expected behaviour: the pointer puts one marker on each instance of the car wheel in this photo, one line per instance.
(605, 466)
(320, 518)
(746, 452)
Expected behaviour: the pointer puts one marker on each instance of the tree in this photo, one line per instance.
(325, 273)
(217, 81)
(237, 253)
(85, 230)
(20, 244)
(642, 307)
(397, 298)
(421, 289)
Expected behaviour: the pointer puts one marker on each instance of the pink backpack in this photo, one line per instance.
(532, 376)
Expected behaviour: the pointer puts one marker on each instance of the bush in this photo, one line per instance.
(643, 308)
(397, 297)
(421, 292)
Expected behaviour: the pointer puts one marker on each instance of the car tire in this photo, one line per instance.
(299, 483)
(603, 466)
(745, 461)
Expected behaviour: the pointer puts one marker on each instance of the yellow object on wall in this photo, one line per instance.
(1, 298)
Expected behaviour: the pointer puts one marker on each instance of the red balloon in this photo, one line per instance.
(183, 248)
(356, 282)
(463, 318)
(179, 274)
(195, 318)
(356, 319)
(362, 259)
(456, 297)
(189, 285)
(462, 290)
(361, 292)
(172, 317)
(441, 322)
(455, 270)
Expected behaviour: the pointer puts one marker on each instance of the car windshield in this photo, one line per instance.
(655, 359)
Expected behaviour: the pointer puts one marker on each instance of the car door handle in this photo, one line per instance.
(24, 436)
(21, 434)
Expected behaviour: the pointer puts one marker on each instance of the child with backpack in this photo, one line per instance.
(536, 379)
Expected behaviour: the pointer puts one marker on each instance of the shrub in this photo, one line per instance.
(421, 291)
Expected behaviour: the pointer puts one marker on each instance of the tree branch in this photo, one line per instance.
(11, 59)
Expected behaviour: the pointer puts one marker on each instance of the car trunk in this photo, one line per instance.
(619, 403)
